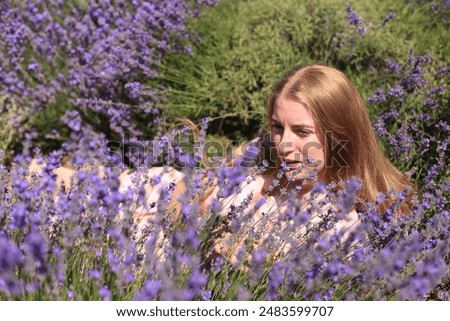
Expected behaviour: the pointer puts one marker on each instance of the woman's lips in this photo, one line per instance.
(293, 164)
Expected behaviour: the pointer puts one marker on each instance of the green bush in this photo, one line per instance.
(247, 45)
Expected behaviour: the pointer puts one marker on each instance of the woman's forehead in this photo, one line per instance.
(291, 111)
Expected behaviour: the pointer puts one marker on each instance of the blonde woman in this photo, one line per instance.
(319, 132)
(316, 111)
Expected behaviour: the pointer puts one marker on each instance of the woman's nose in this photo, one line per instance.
(286, 145)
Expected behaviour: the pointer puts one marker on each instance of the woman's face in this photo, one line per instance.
(296, 140)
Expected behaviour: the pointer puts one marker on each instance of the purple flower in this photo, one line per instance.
(149, 291)
(259, 256)
(353, 17)
(95, 274)
(103, 46)
(128, 277)
(442, 71)
(431, 103)
(377, 96)
(133, 89)
(276, 276)
(396, 91)
(36, 247)
(188, 50)
(33, 66)
(207, 295)
(230, 178)
(388, 18)
(10, 256)
(197, 279)
(393, 66)
(105, 293)
(352, 187)
(73, 120)
(361, 30)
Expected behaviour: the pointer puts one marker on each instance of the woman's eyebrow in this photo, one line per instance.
(303, 125)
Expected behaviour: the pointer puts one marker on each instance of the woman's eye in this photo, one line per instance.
(277, 127)
(303, 132)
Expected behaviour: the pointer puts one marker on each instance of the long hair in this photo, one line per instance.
(343, 125)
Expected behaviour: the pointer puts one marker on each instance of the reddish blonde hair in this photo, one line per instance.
(341, 118)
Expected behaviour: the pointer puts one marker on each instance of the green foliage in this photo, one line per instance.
(247, 45)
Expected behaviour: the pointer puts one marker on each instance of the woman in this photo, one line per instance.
(335, 118)
(319, 132)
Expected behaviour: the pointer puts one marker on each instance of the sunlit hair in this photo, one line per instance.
(342, 118)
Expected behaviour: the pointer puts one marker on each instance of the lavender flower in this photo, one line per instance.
(388, 18)
(353, 17)
(378, 96)
(10, 257)
(393, 66)
(105, 293)
(105, 46)
(150, 290)
(396, 91)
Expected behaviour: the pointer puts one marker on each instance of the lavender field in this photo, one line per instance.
(97, 97)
